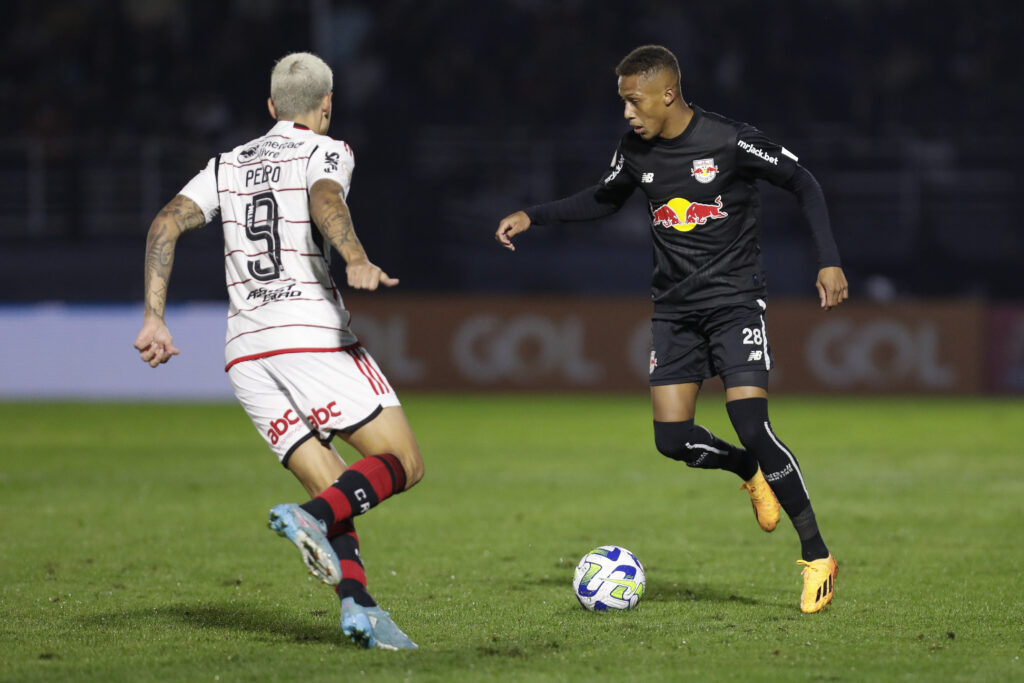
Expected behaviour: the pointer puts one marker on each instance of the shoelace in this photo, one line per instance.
(809, 566)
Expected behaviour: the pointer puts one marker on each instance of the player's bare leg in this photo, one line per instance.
(677, 437)
(390, 432)
(391, 463)
(674, 402)
(318, 467)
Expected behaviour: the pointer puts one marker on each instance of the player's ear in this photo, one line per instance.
(670, 96)
(326, 103)
(271, 109)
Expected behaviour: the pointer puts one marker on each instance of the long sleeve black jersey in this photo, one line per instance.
(701, 187)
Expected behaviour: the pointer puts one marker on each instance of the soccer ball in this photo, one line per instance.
(609, 577)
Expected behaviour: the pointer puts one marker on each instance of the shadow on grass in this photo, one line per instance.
(669, 591)
(665, 591)
(230, 617)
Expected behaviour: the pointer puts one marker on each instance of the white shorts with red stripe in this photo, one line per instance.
(293, 397)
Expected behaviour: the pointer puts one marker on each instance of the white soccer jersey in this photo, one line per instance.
(282, 297)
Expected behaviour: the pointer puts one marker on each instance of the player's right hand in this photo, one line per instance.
(511, 226)
(154, 343)
(365, 275)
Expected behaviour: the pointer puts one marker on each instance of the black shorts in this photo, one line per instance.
(729, 341)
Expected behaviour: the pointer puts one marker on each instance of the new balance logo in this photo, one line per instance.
(647, 178)
(755, 355)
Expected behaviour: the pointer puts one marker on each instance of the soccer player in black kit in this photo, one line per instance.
(699, 171)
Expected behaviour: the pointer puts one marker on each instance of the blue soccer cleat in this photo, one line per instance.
(371, 627)
(308, 535)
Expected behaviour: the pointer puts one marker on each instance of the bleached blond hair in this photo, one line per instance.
(298, 83)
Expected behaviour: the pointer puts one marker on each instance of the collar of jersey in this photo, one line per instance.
(687, 132)
(289, 127)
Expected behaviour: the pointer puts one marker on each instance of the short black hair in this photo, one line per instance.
(647, 60)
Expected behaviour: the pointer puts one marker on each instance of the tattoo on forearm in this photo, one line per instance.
(180, 215)
(334, 220)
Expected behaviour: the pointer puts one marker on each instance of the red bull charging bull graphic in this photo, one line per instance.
(683, 215)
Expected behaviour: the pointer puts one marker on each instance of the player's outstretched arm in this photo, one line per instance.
(332, 217)
(832, 287)
(510, 226)
(154, 342)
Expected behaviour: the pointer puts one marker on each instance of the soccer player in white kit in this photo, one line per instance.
(296, 367)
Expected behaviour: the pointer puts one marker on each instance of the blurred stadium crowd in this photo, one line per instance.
(460, 112)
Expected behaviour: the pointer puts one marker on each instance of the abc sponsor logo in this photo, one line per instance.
(316, 418)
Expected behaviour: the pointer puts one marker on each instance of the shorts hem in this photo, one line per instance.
(288, 454)
(742, 377)
(670, 381)
(281, 352)
(353, 427)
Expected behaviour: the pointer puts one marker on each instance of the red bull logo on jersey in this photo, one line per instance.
(683, 215)
(704, 170)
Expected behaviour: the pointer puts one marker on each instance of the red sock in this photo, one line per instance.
(353, 583)
(362, 486)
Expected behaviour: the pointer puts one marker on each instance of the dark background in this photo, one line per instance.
(460, 112)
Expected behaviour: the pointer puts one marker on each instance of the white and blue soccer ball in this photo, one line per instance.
(609, 577)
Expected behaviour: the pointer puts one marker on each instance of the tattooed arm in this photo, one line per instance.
(154, 343)
(331, 215)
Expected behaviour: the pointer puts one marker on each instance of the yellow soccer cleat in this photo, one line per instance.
(819, 583)
(763, 500)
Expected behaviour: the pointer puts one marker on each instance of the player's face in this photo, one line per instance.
(645, 100)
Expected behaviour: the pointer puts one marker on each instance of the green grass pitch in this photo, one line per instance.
(134, 547)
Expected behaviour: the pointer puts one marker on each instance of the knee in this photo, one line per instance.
(749, 419)
(670, 438)
(749, 432)
(412, 463)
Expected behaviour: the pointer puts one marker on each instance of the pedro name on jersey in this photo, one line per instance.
(281, 295)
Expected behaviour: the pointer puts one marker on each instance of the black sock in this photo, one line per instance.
(698, 447)
(812, 545)
(353, 583)
(780, 468)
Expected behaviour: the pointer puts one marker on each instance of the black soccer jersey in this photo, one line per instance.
(701, 188)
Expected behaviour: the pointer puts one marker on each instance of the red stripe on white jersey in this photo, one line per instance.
(278, 352)
(263, 253)
(374, 369)
(275, 189)
(263, 161)
(277, 301)
(364, 367)
(285, 220)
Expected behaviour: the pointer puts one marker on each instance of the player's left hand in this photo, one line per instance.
(832, 287)
(154, 343)
(365, 275)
